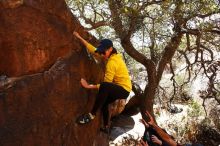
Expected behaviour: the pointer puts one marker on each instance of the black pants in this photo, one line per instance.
(108, 93)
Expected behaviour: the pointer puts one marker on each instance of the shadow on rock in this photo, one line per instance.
(120, 125)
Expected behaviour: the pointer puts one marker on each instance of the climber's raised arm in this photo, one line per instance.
(89, 46)
(160, 131)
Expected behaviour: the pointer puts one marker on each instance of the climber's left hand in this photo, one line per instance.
(84, 83)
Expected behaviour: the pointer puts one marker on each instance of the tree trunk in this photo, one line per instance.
(145, 101)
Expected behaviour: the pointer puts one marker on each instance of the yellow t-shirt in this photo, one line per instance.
(116, 70)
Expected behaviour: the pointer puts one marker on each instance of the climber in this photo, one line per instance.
(116, 84)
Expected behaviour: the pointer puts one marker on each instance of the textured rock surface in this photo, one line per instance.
(40, 93)
(34, 33)
(41, 109)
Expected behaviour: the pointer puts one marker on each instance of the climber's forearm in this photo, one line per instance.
(82, 40)
(160, 131)
(91, 86)
(164, 135)
(89, 46)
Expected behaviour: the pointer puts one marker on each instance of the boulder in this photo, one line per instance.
(34, 33)
(41, 65)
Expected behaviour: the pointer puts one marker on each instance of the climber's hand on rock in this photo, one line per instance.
(84, 83)
(76, 34)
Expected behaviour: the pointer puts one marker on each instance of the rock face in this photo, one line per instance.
(34, 33)
(41, 65)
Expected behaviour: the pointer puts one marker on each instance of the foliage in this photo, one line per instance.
(206, 134)
(129, 140)
(196, 109)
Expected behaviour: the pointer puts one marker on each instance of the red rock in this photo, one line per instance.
(41, 96)
(34, 33)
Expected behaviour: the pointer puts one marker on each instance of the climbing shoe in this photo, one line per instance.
(85, 118)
